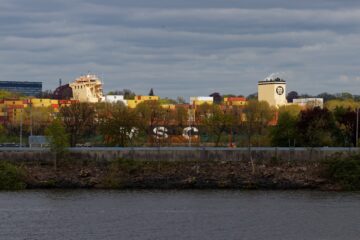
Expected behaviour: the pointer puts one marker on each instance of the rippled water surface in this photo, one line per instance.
(179, 215)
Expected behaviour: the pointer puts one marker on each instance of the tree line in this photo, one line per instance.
(256, 124)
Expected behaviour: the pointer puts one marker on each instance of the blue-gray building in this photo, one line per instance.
(25, 88)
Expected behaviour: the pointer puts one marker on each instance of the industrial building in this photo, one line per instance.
(272, 91)
(87, 88)
(24, 88)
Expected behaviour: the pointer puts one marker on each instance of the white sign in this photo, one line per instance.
(188, 130)
(161, 132)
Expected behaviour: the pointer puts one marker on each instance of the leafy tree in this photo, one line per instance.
(180, 100)
(253, 96)
(167, 101)
(346, 126)
(305, 95)
(218, 122)
(293, 110)
(38, 118)
(58, 139)
(345, 104)
(203, 111)
(316, 127)
(45, 94)
(119, 125)
(356, 98)
(345, 96)
(285, 130)
(181, 117)
(291, 96)
(9, 95)
(79, 120)
(217, 97)
(150, 114)
(151, 93)
(2, 133)
(326, 96)
(258, 114)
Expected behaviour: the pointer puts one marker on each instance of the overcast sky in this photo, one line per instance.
(183, 47)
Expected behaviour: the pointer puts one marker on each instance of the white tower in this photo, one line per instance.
(272, 91)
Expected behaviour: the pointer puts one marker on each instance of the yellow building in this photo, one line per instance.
(272, 91)
(17, 115)
(15, 103)
(139, 99)
(16, 110)
(235, 101)
(43, 102)
(147, 98)
(132, 103)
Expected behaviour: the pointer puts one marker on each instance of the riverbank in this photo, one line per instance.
(142, 174)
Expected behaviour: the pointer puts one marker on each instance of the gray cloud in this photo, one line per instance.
(182, 48)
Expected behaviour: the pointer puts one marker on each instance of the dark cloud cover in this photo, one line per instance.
(183, 48)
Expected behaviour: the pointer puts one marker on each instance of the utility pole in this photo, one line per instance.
(357, 127)
(21, 123)
(190, 134)
(31, 120)
(190, 116)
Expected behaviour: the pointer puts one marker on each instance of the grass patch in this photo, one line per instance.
(119, 171)
(11, 177)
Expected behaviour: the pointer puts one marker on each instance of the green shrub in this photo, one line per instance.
(128, 166)
(119, 171)
(11, 177)
(345, 172)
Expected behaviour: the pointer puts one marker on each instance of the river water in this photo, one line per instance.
(90, 214)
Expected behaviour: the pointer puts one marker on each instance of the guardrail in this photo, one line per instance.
(94, 149)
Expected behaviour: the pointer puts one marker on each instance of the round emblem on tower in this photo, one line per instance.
(280, 90)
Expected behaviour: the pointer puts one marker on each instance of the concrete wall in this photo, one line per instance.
(181, 154)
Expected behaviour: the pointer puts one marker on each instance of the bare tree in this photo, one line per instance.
(119, 125)
(150, 115)
(79, 119)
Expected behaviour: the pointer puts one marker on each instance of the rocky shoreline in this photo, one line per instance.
(124, 174)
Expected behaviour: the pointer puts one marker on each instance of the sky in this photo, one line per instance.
(183, 47)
